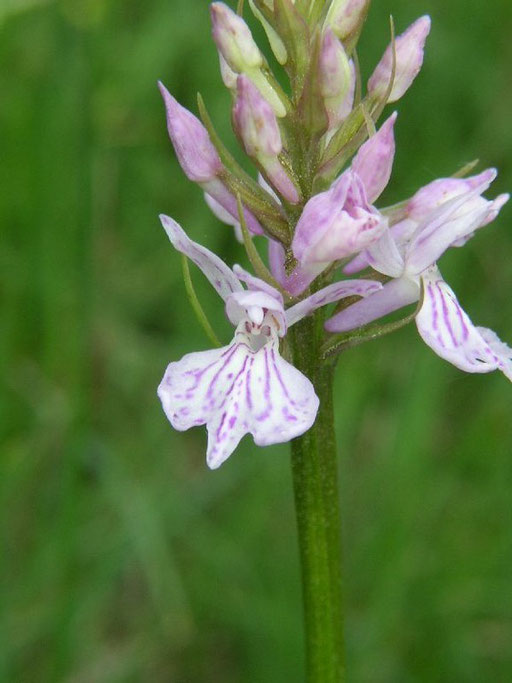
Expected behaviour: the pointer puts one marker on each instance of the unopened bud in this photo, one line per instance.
(346, 16)
(409, 48)
(234, 39)
(255, 121)
(334, 76)
(257, 126)
(197, 155)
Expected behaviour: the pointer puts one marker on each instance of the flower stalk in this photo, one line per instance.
(315, 483)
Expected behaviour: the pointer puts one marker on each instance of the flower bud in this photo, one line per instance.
(334, 76)
(346, 16)
(255, 121)
(234, 39)
(409, 49)
(256, 124)
(197, 155)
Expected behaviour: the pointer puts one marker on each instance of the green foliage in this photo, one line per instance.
(125, 559)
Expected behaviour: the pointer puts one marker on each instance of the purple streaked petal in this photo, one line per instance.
(394, 295)
(215, 270)
(300, 278)
(447, 329)
(329, 294)
(374, 161)
(238, 390)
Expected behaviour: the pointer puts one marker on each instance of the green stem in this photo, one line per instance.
(315, 480)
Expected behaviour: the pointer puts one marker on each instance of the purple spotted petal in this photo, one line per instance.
(447, 329)
(238, 390)
(329, 294)
(374, 161)
(394, 295)
(214, 268)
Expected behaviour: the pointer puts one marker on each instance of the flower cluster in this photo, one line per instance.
(322, 165)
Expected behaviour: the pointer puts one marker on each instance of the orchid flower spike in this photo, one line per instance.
(441, 215)
(245, 387)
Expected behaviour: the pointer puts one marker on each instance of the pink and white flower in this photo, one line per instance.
(245, 387)
(443, 214)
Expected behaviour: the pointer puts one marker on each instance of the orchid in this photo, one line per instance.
(443, 214)
(321, 163)
(245, 387)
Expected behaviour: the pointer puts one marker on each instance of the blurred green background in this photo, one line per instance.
(124, 559)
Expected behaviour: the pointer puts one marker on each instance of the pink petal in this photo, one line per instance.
(216, 271)
(194, 149)
(337, 223)
(438, 192)
(329, 294)
(394, 295)
(238, 390)
(301, 277)
(374, 161)
(409, 58)
(453, 221)
(447, 329)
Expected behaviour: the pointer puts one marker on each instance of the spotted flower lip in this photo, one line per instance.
(245, 387)
(408, 254)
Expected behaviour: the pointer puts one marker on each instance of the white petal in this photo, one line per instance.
(214, 268)
(241, 305)
(236, 390)
(447, 329)
(329, 294)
